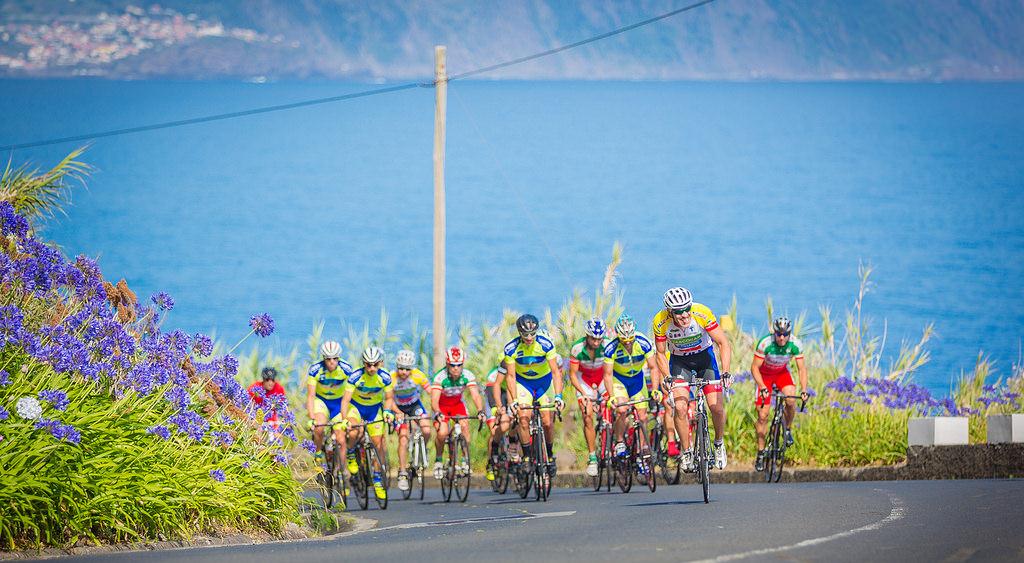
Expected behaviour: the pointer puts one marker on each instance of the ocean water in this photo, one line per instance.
(746, 190)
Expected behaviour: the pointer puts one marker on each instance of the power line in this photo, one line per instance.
(579, 43)
(343, 97)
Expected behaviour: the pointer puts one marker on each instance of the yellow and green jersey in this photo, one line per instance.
(368, 390)
(330, 385)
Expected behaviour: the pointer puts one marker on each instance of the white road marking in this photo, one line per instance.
(435, 523)
(898, 512)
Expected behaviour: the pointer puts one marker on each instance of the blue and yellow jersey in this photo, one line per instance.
(330, 385)
(531, 360)
(368, 390)
(628, 364)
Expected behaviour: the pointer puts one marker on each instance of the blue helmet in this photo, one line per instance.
(596, 328)
(625, 327)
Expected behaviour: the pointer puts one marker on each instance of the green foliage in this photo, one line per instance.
(40, 195)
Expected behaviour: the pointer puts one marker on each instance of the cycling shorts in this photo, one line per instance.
(367, 414)
(681, 369)
(452, 408)
(330, 408)
(489, 403)
(780, 380)
(590, 393)
(621, 394)
(527, 389)
(412, 409)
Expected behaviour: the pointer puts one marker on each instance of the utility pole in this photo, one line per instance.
(440, 105)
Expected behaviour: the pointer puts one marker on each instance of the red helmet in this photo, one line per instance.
(455, 355)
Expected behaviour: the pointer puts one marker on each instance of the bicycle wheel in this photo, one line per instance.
(624, 469)
(449, 471)
(325, 480)
(502, 469)
(645, 462)
(462, 469)
(410, 474)
(377, 466)
(340, 489)
(540, 466)
(609, 459)
(702, 456)
(524, 479)
(361, 480)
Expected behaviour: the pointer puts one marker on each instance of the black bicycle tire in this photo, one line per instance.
(539, 463)
(609, 460)
(703, 457)
(597, 480)
(463, 493)
(410, 473)
(780, 457)
(448, 470)
(652, 471)
(374, 457)
(624, 470)
(504, 465)
(323, 479)
(772, 450)
(524, 480)
(362, 478)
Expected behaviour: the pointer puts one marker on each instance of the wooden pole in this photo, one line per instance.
(440, 106)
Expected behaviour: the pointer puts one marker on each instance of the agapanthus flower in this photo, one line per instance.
(218, 475)
(221, 438)
(163, 301)
(245, 465)
(191, 424)
(842, 384)
(262, 324)
(281, 458)
(5, 378)
(28, 408)
(162, 431)
(11, 223)
(60, 430)
(57, 398)
(4, 415)
(309, 446)
(202, 345)
(225, 419)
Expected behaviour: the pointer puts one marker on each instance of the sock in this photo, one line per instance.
(437, 459)
(550, 453)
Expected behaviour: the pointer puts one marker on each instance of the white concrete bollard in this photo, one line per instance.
(937, 431)
(1005, 428)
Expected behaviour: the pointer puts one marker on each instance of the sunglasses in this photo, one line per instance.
(685, 311)
(373, 365)
(454, 365)
(782, 334)
(528, 334)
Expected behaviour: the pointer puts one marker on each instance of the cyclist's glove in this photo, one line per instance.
(389, 417)
(657, 395)
(559, 403)
(764, 392)
(727, 380)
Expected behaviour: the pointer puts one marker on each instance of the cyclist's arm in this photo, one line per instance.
(652, 364)
(389, 402)
(435, 399)
(755, 371)
(608, 378)
(510, 377)
(310, 397)
(346, 400)
(802, 371)
(724, 348)
(556, 374)
(496, 389)
(661, 357)
(574, 377)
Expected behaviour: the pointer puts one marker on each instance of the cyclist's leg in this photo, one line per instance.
(586, 403)
(443, 429)
(764, 411)
(641, 413)
(320, 416)
(785, 383)
(713, 392)
(403, 442)
(619, 395)
(524, 396)
(680, 400)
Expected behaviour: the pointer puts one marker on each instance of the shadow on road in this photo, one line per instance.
(666, 503)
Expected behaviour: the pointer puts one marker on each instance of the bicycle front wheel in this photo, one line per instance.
(378, 469)
(542, 479)
(702, 456)
(501, 469)
(361, 480)
(462, 469)
(325, 479)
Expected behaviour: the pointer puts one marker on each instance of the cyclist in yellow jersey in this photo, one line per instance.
(689, 331)
(326, 386)
(368, 398)
(624, 359)
(532, 371)
(409, 385)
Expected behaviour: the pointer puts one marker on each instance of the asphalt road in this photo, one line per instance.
(981, 520)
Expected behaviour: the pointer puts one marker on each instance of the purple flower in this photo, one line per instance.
(221, 438)
(190, 424)
(836, 405)
(842, 384)
(245, 465)
(281, 458)
(218, 475)
(202, 345)
(59, 430)
(58, 399)
(163, 301)
(262, 324)
(4, 415)
(10, 222)
(162, 431)
(309, 446)
(179, 397)
(5, 378)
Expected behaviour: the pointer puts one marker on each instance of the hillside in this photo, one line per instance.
(278, 39)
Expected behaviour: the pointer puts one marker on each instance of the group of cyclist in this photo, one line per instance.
(621, 366)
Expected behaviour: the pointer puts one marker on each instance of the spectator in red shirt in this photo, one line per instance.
(268, 390)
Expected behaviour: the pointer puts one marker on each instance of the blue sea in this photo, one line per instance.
(730, 189)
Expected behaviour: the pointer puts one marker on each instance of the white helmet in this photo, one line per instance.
(405, 359)
(678, 298)
(625, 327)
(330, 349)
(373, 355)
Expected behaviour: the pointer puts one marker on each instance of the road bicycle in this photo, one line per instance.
(372, 466)
(416, 447)
(457, 472)
(703, 458)
(775, 448)
(331, 478)
(605, 446)
(539, 469)
(637, 459)
(501, 466)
